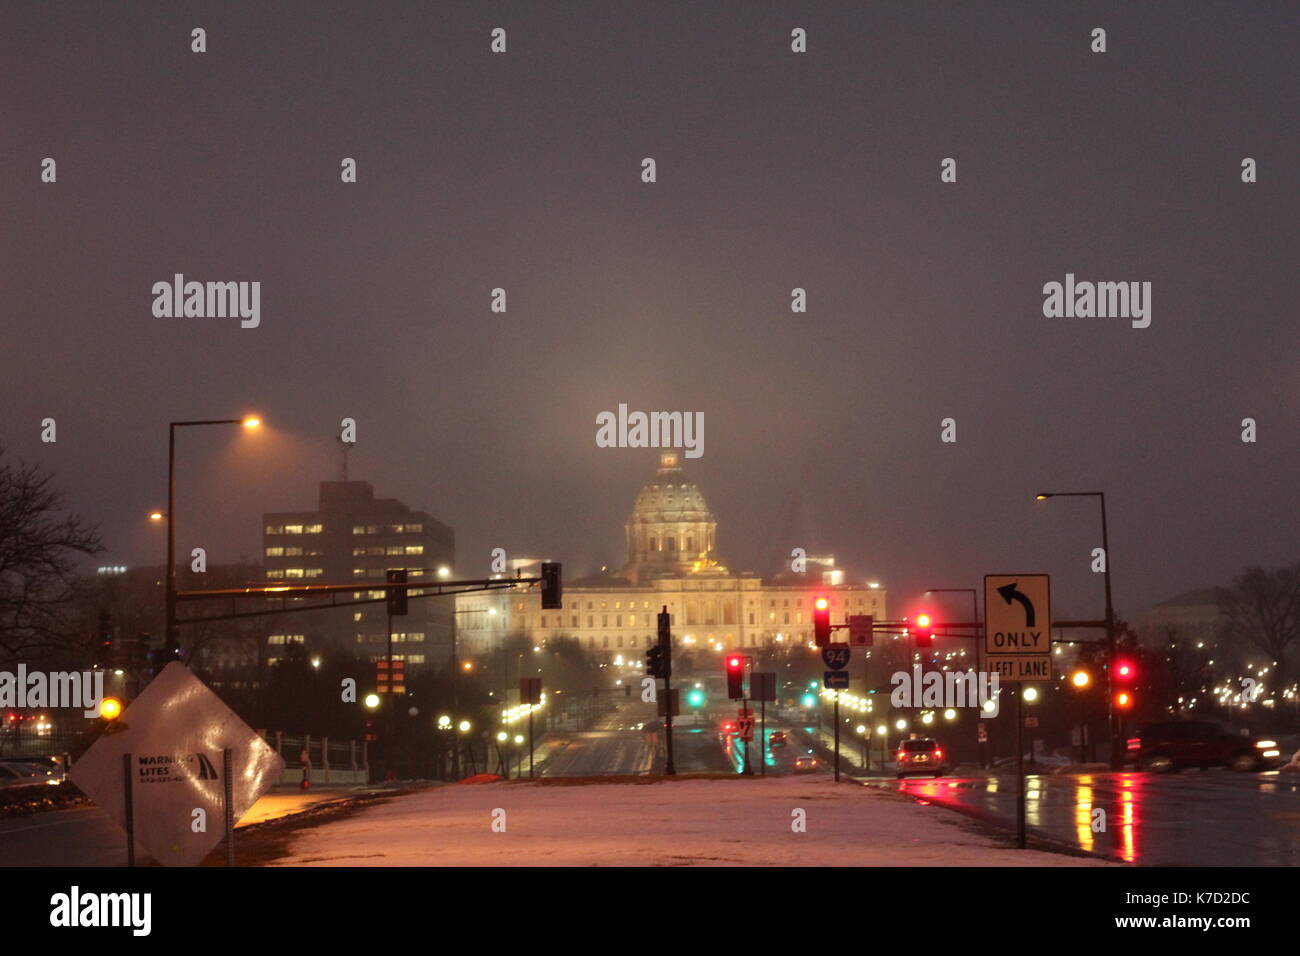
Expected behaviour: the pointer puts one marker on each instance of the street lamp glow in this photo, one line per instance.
(464, 726)
(252, 421)
(950, 714)
(1031, 694)
(444, 571)
(900, 724)
(882, 730)
(519, 738)
(1080, 679)
(927, 719)
(156, 516)
(444, 721)
(372, 701)
(503, 736)
(862, 729)
(110, 708)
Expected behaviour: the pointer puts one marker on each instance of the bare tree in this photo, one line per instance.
(1263, 609)
(39, 547)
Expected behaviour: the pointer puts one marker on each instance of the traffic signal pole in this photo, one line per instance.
(666, 656)
(837, 736)
(669, 768)
(1020, 768)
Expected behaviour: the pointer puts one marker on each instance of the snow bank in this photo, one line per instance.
(682, 822)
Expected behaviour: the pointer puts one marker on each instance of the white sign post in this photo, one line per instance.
(168, 748)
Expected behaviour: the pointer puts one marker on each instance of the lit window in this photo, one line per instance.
(293, 529)
(313, 529)
(274, 552)
(275, 529)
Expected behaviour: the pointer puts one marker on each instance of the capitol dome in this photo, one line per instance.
(671, 531)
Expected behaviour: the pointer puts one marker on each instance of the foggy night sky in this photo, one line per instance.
(775, 170)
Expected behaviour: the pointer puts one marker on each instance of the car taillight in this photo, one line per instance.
(1135, 743)
(902, 754)
(938, 754)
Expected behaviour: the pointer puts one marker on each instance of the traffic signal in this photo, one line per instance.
(1080, 679)
(1125, 670)
(104, 650)
(821, 621)
(923, 630)
(1124, 700)
(396, 596)
(551, 587)
(654, 660)
(735, 676)
(695, 697)
(110, 708)
(665, 644)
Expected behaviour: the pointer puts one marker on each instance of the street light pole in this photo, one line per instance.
(1116, 745)
(172, 635)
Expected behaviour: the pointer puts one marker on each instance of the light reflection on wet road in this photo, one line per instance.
(1186, 819)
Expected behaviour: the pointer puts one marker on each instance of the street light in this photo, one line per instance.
(249, 422)
(1116, 754)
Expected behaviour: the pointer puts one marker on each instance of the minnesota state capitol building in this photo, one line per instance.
(672, 560)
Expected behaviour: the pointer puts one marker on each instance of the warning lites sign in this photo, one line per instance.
(172, 738)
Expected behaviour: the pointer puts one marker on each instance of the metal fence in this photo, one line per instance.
(327, 761)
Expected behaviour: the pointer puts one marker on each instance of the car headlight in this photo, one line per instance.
(1265, 744)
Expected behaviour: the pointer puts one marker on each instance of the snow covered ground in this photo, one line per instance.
(662, 823)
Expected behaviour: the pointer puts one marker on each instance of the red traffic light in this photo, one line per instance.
(821, 621)
(735, 676)
(1124, 700)
(922, 629)
(1125, 670)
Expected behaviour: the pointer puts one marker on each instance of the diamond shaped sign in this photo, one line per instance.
(175, 732)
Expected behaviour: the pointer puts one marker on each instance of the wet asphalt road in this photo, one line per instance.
(1192, 818)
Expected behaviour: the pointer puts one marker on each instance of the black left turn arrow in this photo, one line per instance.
(1009, 594)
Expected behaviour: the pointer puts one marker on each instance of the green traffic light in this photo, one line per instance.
(695, 698)
(809, 700)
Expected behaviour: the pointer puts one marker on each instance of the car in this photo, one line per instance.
(920, 755)
(777, 738)
(38, 769)
(14, 775)
(806, 764)
(1171, 745)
